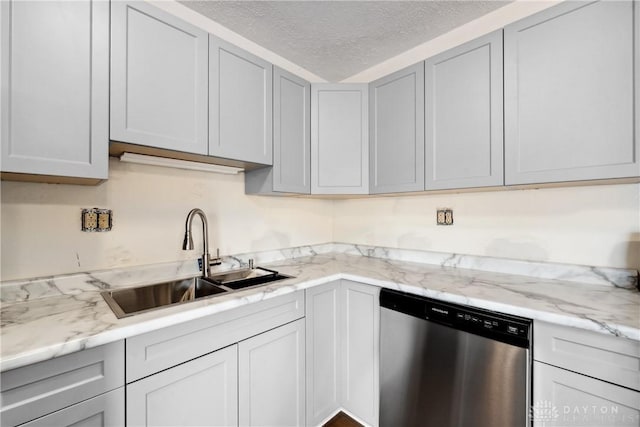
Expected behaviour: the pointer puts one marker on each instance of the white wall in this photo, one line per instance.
(41, 235)
(41, 222)
(598, 225)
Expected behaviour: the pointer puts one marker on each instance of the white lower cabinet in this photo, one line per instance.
(584, 378)
(360, 342)
(202, 392)
(565, 398)
(323, 352)
(343, 328)
(271, 377)
(60, 391)
(106, 410)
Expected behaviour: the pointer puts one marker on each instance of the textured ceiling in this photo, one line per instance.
(337, 39)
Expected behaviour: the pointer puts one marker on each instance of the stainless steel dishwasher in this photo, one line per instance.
(446, 365)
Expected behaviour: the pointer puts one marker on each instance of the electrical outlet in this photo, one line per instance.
(96, 220)
(444, 217)
(104, 220)
(89, 220)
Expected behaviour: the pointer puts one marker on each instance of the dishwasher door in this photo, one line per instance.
(435, 375)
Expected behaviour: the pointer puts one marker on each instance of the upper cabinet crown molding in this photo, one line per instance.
(55, 88)
(339, 139)
(464, 120)
(396, 131)
(240, 103)
(158, 79)
(571, 93)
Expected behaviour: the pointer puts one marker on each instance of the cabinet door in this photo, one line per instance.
(339, 139)
(240, 92)
(564, 398)
(291, 140)
(55, 88)
(569, 93)
(463, 92)
(202, 392)
(360, 323)
(106, 410)
(323, 352)
(158, 79)
(396, 131)
(291, 133)
(271, 377)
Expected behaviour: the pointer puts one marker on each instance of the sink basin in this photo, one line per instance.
(246, 277)
(129, 301)
(125, 302)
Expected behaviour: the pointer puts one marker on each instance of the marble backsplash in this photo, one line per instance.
(43, 287)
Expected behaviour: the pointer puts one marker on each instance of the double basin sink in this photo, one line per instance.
(129, 301)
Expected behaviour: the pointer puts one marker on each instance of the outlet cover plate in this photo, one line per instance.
(96, 220)
(444, 216)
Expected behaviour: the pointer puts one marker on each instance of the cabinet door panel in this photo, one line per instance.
(202, 392)
(360, 336)
(569, 93)
(106, 410)
(564, 398)
(291, 171)
(396, 131)
(271, 377)
(463, 92)
(158, 79)
(240, 105)
(55, 88)
(291, 133)
(322, 352)
(339, 139)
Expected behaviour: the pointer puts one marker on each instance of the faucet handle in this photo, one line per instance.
(217, 260)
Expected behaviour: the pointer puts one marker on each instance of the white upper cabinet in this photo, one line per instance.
(240, 108)
(291, 133)
(396, 131)
(55, 88)
(571, 86)
(291, 171)
(463, 94)
(339, 139)
(158, 79)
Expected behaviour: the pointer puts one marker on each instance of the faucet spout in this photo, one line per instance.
(187, 244)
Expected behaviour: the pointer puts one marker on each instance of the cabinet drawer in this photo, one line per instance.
(164, 348)
(608, 358)
(106, 410)
(39, 389)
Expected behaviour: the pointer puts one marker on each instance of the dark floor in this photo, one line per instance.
(342, 420)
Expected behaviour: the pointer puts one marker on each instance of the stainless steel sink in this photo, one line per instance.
(129, 301)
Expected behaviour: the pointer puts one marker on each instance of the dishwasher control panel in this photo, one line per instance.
(503, 327)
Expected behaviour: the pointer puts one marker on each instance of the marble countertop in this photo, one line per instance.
(33, 330)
